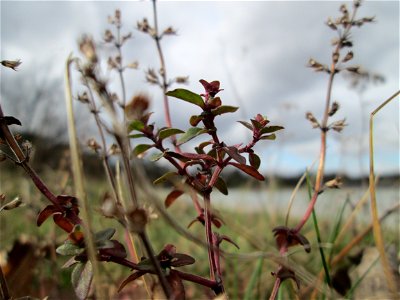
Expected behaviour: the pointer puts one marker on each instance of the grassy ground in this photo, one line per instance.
(39, 271)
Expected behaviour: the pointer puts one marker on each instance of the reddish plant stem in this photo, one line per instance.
(4, 287)
(275, 289)
(209, 235)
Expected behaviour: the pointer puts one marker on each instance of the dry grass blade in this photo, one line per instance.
(79, 181)
(374, 210)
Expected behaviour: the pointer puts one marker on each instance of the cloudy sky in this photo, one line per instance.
(258, 50)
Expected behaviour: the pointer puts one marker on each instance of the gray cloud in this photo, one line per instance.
(258, 50)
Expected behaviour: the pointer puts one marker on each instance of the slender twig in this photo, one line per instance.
(79, 184)
(374, 210)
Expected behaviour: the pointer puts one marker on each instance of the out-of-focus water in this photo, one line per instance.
(328, 205)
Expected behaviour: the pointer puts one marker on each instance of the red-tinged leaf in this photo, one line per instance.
(131, 278)
(221, 186)
(271, 129)
(224, 109)
(166, 177)
(180, 259)
(187, 96)
(254, 160)
(76, 236)
(45, 213)
(247, 125)
(194, 120)
(234, 153)
(167, 132)
(190, 134)
(256, 124)
(215, 102)
(229, 240)
(176, 284)
(81, 279)
(197, 156)
(9, 120)
(176, 155)
(105, 234)
(269, 137)
(118, 250)
(248, 170)
(63, 223)
(172, 197)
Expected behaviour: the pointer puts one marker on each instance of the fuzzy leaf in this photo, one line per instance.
(136, 125)
(254, 160)
(165, 177)
(105, 234)
(271, 129)
(190, 134)
(197, 156)
(69, 249)
(194, 120)
(167, 132)
(135, 136)
(130, 278)
(234, 153)
(139, 149)
(268, 137)
(156, 156)
(246, 124)
(224, 109)
(81, 279)
(187, 96)
(172, 197)
(221, 186)
(45, 213)
(248, 170)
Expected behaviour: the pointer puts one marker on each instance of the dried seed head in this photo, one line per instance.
(182, 79)
(12, 64)
(112, 64)
(84, 98)
(133, 65)
(137, 220)
(27, 146)
(355, 70)
(349, 56)
(137, 107)
(114, 149)
(338, 125)
(335, 57)
(143, 26)
(169, 31)
(108, 36)
(335, 183)
(334, 108)
(151, 77)
(92, 144)
(88, 49)
(312, 119)
(126, 37)
(331, 24)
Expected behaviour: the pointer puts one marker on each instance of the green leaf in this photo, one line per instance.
(246, 124)
(167, 132)
(69, 249)
(156, 156)
(135, 136)
(136, 125)
(105, 234)
(187, 96)
(81, 278)
(139, 149)
(194, 120)
(268, 137)
(221, 186)
(190, 134)
(224, 109)
(165, 177)
(271, 129)
(254, 160)
(249, 170)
